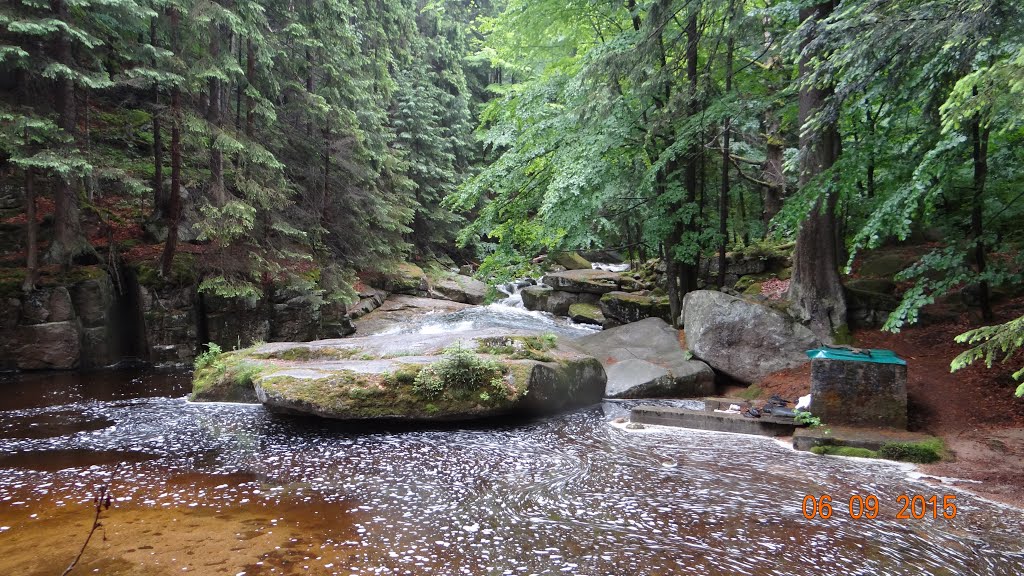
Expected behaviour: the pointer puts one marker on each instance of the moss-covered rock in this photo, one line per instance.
(586, 314)
(627, 307)
(588, 281)
(406, 278)
(455, 376)
(570, 260)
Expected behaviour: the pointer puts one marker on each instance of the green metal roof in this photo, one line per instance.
(856, 355)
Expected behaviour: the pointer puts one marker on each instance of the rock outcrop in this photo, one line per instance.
(459, 288)
(439, 377)
(644, 360)
(583, 281)
(626, 307)
(744, 340)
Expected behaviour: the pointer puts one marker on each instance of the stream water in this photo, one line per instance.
(232, 489)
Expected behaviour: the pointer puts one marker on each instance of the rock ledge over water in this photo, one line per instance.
(435, 377)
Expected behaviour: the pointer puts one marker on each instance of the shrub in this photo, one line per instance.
(208, 358)
(460, 371)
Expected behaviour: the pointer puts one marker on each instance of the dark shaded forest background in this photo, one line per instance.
(256, 142)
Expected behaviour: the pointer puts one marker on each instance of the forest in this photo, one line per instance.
(308, 141)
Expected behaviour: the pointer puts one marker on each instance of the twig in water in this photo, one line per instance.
(102, 502)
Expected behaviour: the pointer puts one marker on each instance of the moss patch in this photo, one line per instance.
(519, 347)
(183, 272)
(226, 378)
(348, 394)
(751, 393)
(924, 452)
(306, 353)
(844, 451)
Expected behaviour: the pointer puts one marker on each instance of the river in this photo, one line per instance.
(232, 489)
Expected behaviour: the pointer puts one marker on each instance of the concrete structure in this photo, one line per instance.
(713, 421)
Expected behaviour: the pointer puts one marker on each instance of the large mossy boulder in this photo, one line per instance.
(744, 340)
(437, 377)
(645, 360)
(586, 314)
(583, 281)
(459, 288)
(543, 298)
(570, 260)
(406, 278)
(625, 307)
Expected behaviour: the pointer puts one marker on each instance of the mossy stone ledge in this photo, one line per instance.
(412, 377)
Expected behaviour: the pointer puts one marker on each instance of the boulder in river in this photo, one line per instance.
(625, 307)
(644, 360)
(586, 314)
(587, 281)
(459, 288)
(744, 340)
(570, 260)
(419, 377)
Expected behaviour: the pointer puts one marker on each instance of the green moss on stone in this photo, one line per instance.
(924, 452)
(306, 353)
(519, 347)
(228, 378)
(844, 451)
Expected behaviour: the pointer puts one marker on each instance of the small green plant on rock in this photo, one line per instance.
(460, 372)
(807, 418)
(208, 358)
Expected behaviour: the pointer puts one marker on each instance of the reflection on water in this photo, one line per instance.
(247, 491)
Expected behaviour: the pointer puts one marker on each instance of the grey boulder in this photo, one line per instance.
(744, 340)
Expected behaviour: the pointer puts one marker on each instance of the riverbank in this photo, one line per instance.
(973, 410)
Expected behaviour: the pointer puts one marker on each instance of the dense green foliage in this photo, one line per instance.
(671, 128)
(303, 141)
(315, 135)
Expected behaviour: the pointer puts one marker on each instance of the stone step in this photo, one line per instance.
(852, 437)
(710, 420)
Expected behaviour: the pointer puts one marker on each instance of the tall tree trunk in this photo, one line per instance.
(772, 170)
(217, 192)
(159, 198)
(174, 205)
(31, 233)
(31, 226)
(68, 240)
(815, 289)
(250, 76)
(688, 270)
(979, 145)
(723, 198)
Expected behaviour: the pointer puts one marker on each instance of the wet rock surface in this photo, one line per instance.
(742, 339)
(645, 360)
(380, 377)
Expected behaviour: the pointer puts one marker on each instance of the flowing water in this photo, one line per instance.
(232, 489)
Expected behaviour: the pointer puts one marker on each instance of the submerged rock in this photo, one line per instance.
(742, 339)
(645, 360)
(436, 377)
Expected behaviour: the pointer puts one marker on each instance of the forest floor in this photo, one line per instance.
(973, 410)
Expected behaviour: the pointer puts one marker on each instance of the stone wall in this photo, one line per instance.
(60, 327)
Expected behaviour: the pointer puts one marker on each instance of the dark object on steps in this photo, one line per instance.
(752, 413)
(780, 411)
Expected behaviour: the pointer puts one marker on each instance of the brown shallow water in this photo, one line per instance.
(227, 489)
